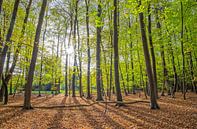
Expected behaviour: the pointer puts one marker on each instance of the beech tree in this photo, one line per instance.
(28, 87)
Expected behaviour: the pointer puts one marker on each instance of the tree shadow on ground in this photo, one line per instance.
(102, 115)
(56, 121)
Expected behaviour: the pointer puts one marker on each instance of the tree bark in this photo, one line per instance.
(153, 100)
(98, 51)
(41, 58)
(28, 87)
(183, 54)
(152, 50)
(8, 43)
(116, 56)
(88, 48)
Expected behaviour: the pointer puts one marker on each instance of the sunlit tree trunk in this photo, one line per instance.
(28, 87)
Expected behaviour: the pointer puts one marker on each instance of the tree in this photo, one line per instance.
(98, 51)
(153, 100)
(116, 57)
(28, 86)
(152, 49)
(7, 44)
(87, 2)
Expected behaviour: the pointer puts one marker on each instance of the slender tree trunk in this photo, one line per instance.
(8, 43)
(111, 53)
(98, 56)
(152, 50)
(182, 52)
(131, 54)
(122, 78)
(28, 88)
(165, 71)
(42, 54)
(116, 56)
(1, 2)
(88, 48)
(80, 62)
(75, 54)
(8, 37)
(153, 100)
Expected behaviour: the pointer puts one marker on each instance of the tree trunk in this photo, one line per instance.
(28, 88)
(41, 58)
(98, 51)
(88, 48)
(153, 100)
(75, 54)
(116, 56)
(131, 54)
(183, 55)
(152, 50)
(1, 2)
(165, 71)
(8, 43)
(80, 61)
(122, 78)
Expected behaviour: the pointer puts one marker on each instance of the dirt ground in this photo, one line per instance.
(80, 113)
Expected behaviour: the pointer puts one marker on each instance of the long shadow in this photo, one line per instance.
(42, 100)
(55, 123)
(164, 118)
(109, 120)
(91, 120)
(15, 111)
(12, 113)
(139, 113)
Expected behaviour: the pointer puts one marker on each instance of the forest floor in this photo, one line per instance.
(59, 112)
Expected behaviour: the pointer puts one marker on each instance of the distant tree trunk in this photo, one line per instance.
(131, 54)
(165, 71)
(88, 48)
(111, 54)
(116, 56)
(1, 2)
(153, 100)
(11, 88)
(8, 43)
(80, 61)
(42, 54)
(192, 72)
(152, 50)
(182, 52)
(28, 88)
(75, 54)
(122, 78)
(106, 71)
(66, 76)
(98, 51)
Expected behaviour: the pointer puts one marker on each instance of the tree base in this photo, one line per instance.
(39, 95)
(99, 99)
(154, 106)
(120, 104)
(89, 97)
(28, 108)
(162, 94)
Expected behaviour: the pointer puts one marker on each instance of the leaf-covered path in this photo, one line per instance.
(174, 113)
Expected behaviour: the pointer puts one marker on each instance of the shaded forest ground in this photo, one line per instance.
(174, 113)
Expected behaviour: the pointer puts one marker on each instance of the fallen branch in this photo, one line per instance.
(75, 105)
